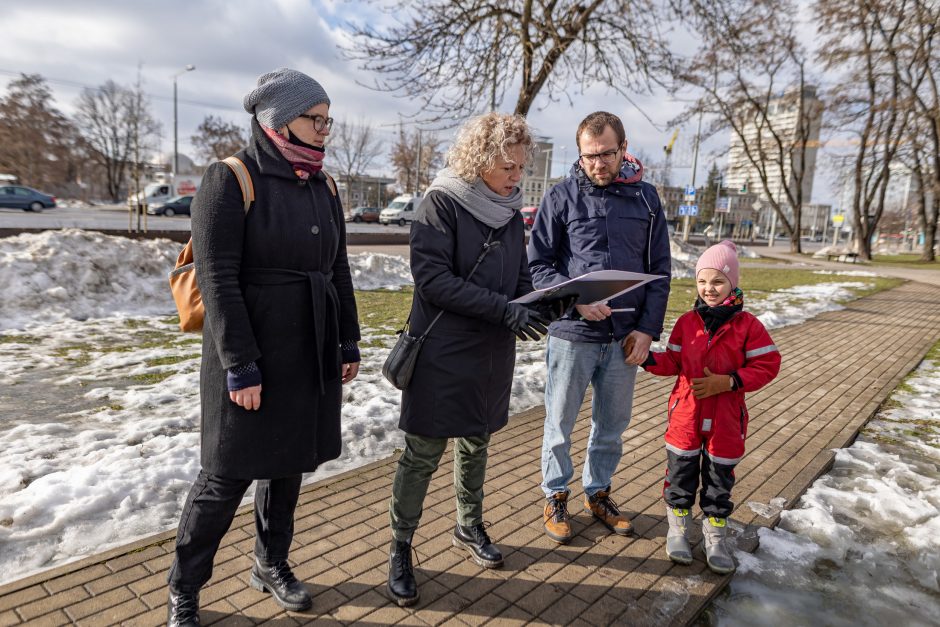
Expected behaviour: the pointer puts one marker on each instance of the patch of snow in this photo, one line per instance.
(863, 545)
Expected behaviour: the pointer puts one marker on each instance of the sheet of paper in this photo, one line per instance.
(592, 288)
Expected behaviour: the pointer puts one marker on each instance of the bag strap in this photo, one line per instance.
(244, 179)
(487, 246)
(330, 183)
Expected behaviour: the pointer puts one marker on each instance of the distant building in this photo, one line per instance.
(671, 197)
(784, 118)
(538, 177)
(365, 191)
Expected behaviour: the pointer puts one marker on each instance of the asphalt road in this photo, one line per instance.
(115, 217)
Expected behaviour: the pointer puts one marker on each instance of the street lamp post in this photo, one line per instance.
(176, 154)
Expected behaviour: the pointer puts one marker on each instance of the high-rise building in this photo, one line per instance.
(783, 119)
(538, 174)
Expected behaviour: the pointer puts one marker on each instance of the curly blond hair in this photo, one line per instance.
(484, 138)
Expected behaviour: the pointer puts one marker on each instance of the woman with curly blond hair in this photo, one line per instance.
(468, 261)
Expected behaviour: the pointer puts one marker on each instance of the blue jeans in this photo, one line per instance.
(571, 366)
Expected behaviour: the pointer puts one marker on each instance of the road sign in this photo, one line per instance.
(690, 191)
(722, 205)
(688, 210)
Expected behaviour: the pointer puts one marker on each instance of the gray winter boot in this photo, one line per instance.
(678, 548)
(716, 552)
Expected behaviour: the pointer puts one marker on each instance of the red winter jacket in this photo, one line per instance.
(741, 346)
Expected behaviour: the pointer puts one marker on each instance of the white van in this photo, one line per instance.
(401, 210)
(159, 193)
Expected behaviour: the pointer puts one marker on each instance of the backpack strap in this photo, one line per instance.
(244, 180)
(330, 183)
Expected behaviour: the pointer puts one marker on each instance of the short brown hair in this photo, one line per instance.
(595, 125)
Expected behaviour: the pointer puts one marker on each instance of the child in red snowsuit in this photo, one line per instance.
(719, 353)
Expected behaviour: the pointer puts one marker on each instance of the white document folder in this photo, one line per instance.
(593, 288)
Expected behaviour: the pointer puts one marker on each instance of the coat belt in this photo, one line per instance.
(321, 289)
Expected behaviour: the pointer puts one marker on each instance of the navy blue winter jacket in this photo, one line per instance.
(580, 228)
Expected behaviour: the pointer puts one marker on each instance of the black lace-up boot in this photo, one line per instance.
(277, 578)
(183, 609)
(476, 540)
(401, 576)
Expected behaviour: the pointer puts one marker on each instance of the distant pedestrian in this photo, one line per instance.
(719, 352)
(468, 261)
(603, 216)
(280, 312)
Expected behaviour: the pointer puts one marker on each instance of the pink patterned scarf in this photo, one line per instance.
(305, 161)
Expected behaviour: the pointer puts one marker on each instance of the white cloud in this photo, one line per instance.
(232, 42)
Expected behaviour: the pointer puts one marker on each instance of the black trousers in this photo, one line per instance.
(208, 513)
(683, 476)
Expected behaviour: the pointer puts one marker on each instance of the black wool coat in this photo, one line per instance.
(463, 376)
(278, 291)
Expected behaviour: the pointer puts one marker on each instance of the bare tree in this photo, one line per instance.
(751, 78)
(112, 119)
(37, 142)
(459, 57)
(216, 139)
(920, 79)
(416, 158)
(354, 147)
(863, 42)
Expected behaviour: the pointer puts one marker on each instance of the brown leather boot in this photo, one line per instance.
(557, 525)
(605, 511)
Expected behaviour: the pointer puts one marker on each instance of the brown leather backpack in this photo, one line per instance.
(183, 277)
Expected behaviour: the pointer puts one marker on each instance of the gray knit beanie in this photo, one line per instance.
(282, 95)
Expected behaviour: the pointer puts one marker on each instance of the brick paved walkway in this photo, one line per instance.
(837, 369)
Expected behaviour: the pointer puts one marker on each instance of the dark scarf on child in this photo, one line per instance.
(714, 317)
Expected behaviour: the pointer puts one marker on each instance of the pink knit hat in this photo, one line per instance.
(723, 257)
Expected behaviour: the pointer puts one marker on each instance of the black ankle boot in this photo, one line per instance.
(183, 609)
(401, 577)
(475, 540)
(277, 578)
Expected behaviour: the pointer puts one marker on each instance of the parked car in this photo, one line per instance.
(25, 198)
(172, 207)
(400, 211)
(363, 214)
(528, 216)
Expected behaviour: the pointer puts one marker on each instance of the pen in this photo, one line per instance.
(623, 309)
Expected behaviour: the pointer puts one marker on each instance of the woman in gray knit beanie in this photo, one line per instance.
(279, 312)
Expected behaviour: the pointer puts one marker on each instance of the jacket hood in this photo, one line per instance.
(631, 171)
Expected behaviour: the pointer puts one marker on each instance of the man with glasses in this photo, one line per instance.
(601, 217)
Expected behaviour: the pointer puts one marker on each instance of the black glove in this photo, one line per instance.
(524, 322)
(554, 308)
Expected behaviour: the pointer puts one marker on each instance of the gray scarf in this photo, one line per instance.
(480, 201)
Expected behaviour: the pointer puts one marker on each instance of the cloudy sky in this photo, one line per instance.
(82, 44)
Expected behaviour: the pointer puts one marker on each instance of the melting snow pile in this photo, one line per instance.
(74, 274)
(863, 546)
(77, 274)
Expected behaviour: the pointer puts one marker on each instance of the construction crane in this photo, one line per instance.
(668, 150)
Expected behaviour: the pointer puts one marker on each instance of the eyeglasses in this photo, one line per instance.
(320, 123)
(607, 156)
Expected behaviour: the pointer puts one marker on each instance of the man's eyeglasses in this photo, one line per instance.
(607, 156)
(320, 123)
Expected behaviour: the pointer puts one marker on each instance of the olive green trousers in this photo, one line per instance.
(416, 466)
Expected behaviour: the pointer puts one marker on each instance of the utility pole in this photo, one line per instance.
(548, 165)
(698, 138)
(176, 156)
(418, 165)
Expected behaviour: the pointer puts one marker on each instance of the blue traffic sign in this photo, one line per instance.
(688, 210)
